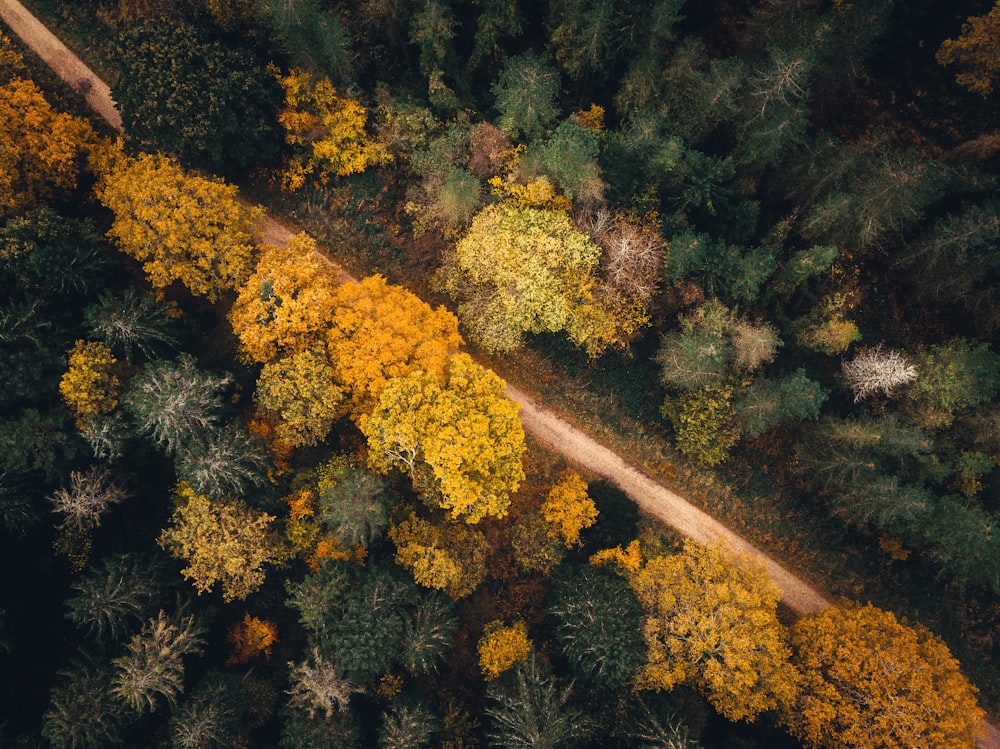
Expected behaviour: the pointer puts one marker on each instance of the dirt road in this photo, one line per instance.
(548, 427)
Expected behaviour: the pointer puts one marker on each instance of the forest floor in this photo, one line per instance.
(652, 497)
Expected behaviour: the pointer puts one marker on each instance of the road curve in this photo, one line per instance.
(548, 427)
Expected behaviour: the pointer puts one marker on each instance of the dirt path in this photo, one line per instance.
(548, 427)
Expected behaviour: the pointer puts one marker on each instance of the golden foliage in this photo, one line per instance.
(539, 193)
(628, 560)
(251, 638)
(976, 50)
(90, 386)
(461, 443)
(444, 556)
(568, 508)
(592, 118)
(222, 542)
(286, 305)
(380, 331)
(711, 621)
(501, 647)
(870, 681)
(40, 149)
(300, 390)
(703, 423)
(180, 226)
(328, 130)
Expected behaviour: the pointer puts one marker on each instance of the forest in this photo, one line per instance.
(260, 493)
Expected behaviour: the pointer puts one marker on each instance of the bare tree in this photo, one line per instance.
(89, 495)
(316, 685)
(874, 370)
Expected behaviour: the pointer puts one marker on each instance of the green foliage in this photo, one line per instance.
(112, 596)
(223, 462)
(204, 720)
(83, 712)
(131, 323)
(597, 625)
(526, 94)
(174, 402)
(407, 726)
(962, 539)
(208, 103)
(532, 712)
(802, 266)
(432, 29)
(313, 38)
(428, 633)
(767, 403)
(951, 377)
(726, 269)
(568, 156)
(355, 504)
(703, 423)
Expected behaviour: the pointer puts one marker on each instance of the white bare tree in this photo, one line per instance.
(875, 370)
(89, 495)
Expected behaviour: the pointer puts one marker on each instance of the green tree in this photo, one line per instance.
(114, 595)
(461, 443)
(768, 402)
(597, 625)
(569, 157)
(951, 377)
(131, 323)
(704, 422)
(355, 503)
(83, 711)
(153, 664)
(428, 634)
(533, 711)
(207, 103)
(432, 29)
(224, 461)
(175, 402)
(407, 726)
(313, 37)
(204, 720)
(525, 96)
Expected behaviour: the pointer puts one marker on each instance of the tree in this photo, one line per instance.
(976, 50)
(222, 462)
(532, 713)
(153, 664)
(568, 508)
(569, 157)
(131, 323)
(315, 39)
(300, 390)
(444, 555)
(40, 148)
(175, 402)
(286, 305)
(869, 680)
(953, 376)
(327, 131)
(380, 331)
(317, 686)
(501, 647)
(354, 503)
(222, 542)
(180, 226)
(770, 402)
(83, 712)
(525, 96)
(204, 720)
(406, 727)
(461, 442)
(428, 633)
(873, 371)
(704, 422)
(597, 618)
(89, 496)
(114, 595)
(90, 386)
(432, 29)
(205, 102)
(711, 620)
(527, 270)
(250, 638)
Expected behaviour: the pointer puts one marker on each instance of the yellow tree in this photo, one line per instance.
(40, 149)
(461, 443)
(502, 646)
(380, 331)
(870, 681)
(568, 508)
(90, 386)
(222, 542)
(286, 305)
(445, 556)
(181, 226)
(711, 621)
(299, 389)
(328, 131)
(976, 50)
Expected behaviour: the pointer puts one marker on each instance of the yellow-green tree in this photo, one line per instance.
(299, 389)
(568, 508)
(40, 149)
(327, 130)
(976, 51)
(502, 646)
(447, 556)
(461, 442)
(711, 621)
(180, 226)
(380, 331)
(286, 305)
(222, 542)
(90, 386)
(870, 681)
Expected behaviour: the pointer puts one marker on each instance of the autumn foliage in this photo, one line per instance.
(976, 50)
(501, 647)
(90, 386)
(251, 638)
(871, 681)
(447, 556)
(568, 508)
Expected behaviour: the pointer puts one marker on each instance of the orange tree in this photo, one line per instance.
(711, 621)
(286, 305)
(380, 331)
(180, 226)
(461, 442)
(871, 681)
